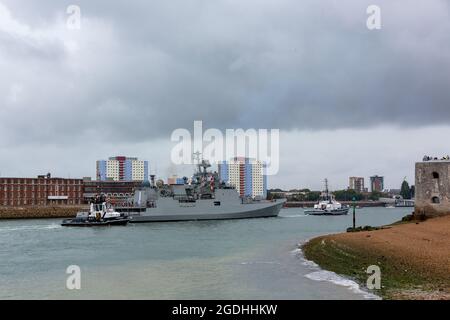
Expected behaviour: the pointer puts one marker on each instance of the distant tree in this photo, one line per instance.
(297, 197)
(347, 195)
(405, 190)
(312, 196)
(375, 195)
(413, 191)
(272, 195)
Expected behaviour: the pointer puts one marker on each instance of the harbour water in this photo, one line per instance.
(229, 259)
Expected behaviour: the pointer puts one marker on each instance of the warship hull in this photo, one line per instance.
(208, 211)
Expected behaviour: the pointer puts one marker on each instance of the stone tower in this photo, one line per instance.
(432, 187)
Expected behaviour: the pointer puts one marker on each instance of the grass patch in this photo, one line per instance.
(365, 228)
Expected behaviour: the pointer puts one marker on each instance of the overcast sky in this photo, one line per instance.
(347, 100)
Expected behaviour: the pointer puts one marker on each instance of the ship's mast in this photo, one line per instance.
(197, 156)
(326, 189)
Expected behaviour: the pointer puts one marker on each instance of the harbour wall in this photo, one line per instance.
(37, 212)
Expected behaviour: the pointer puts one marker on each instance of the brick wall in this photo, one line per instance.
(40, 191)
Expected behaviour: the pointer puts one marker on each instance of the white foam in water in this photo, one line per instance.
(309, 263)
(294, 216)
(35, 227)
(323, 275)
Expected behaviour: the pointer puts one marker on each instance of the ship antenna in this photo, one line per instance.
(196, 156)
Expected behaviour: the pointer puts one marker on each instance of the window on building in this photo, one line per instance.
(435, 175)
(435, 200)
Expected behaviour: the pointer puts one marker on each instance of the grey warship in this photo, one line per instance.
(203, 197)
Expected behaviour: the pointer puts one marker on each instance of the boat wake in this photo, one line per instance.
(31, 228)
(294, 216)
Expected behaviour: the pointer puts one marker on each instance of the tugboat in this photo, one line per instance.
(327, 205)
(100, 214)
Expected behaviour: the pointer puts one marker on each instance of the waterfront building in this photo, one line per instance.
(432, 187)
(357, 184)
(246, 175)
(392, 192)
(43, 190)
(376, 183)
(122, 168)
(116, 191)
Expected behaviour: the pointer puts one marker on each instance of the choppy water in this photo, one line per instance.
(233, 259)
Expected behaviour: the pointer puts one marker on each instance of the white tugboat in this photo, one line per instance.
(101, 213)
(327, 205)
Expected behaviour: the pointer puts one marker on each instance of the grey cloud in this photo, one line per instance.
(145, 68)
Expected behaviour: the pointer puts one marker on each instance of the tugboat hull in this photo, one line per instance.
(336, 212)
(86, 223)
